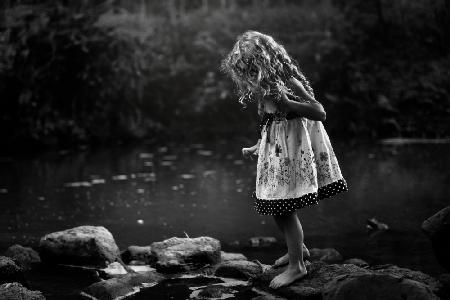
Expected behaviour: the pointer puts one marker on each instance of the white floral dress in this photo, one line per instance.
(296, 163)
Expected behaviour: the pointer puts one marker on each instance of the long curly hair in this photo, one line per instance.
(259, 65)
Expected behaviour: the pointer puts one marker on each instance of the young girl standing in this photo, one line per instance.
(296, 163)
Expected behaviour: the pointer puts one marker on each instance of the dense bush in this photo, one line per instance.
(100, 71)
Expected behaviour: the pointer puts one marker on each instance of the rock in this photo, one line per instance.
(10, 272)
(138, 253)
(114, 269)
(262, 241)
(215, 291)
(181, 254)
(121, 286)
(376, 286)
(24, 257)
(311, 286)
(142, 269)
(328, 255)
(405, 273)
(357, 262)
(227, 256)
(437, 228)
(239, 269)
(84, 245)
(15, 291)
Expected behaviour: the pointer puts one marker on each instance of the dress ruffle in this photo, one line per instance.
(281, 206)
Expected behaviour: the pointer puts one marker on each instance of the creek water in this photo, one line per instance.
(149, 192)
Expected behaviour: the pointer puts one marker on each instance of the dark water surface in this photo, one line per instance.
(148, 193)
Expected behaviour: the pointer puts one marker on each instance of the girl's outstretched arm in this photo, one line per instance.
(312, 109)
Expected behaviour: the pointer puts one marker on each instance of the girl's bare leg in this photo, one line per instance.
(294, 239)
(285, 258)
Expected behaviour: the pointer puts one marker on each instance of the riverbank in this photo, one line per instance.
(86, 263)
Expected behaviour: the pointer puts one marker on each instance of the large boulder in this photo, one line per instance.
(84, 245)
(311, 286)
(181, 254)
(15, 291)
(25, 257)
(437, 227)
(376, 286)
(328, 255)
(118, 288)
(10, 272)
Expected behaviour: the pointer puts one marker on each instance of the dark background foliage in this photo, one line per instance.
(99, 71)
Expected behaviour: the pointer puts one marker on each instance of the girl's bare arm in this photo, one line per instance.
(312, 109)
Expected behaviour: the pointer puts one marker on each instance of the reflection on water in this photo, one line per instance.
(147, 193)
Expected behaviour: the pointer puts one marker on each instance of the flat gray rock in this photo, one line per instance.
(226, 256)
(182, 254)
(119, 287)
(239, 269)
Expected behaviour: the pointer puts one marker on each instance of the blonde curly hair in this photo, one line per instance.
(258, 64)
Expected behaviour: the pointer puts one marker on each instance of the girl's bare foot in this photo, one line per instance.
(289, 275)
(285, 258)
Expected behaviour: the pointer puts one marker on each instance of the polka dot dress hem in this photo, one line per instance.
(281, 206)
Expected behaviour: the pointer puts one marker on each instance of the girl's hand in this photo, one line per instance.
(284, 103)
(250, 152)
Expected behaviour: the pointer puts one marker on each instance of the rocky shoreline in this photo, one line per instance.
(197, 268)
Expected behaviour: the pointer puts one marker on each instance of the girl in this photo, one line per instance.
(296, 163)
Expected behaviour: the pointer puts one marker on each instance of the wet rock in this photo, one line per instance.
(181, 254)
(328, 255)
(139, 254)
(262, 241)
(405, 273)
(226, 256)
(121, 286)
(357, 261)
(437, 228)
(24, 257)
(376, 286)
(15, 291)
(10, 272)
(114, 269)
(311, 286)
(84, 245)
(142, 269)
(214, 291)
(239, 269)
